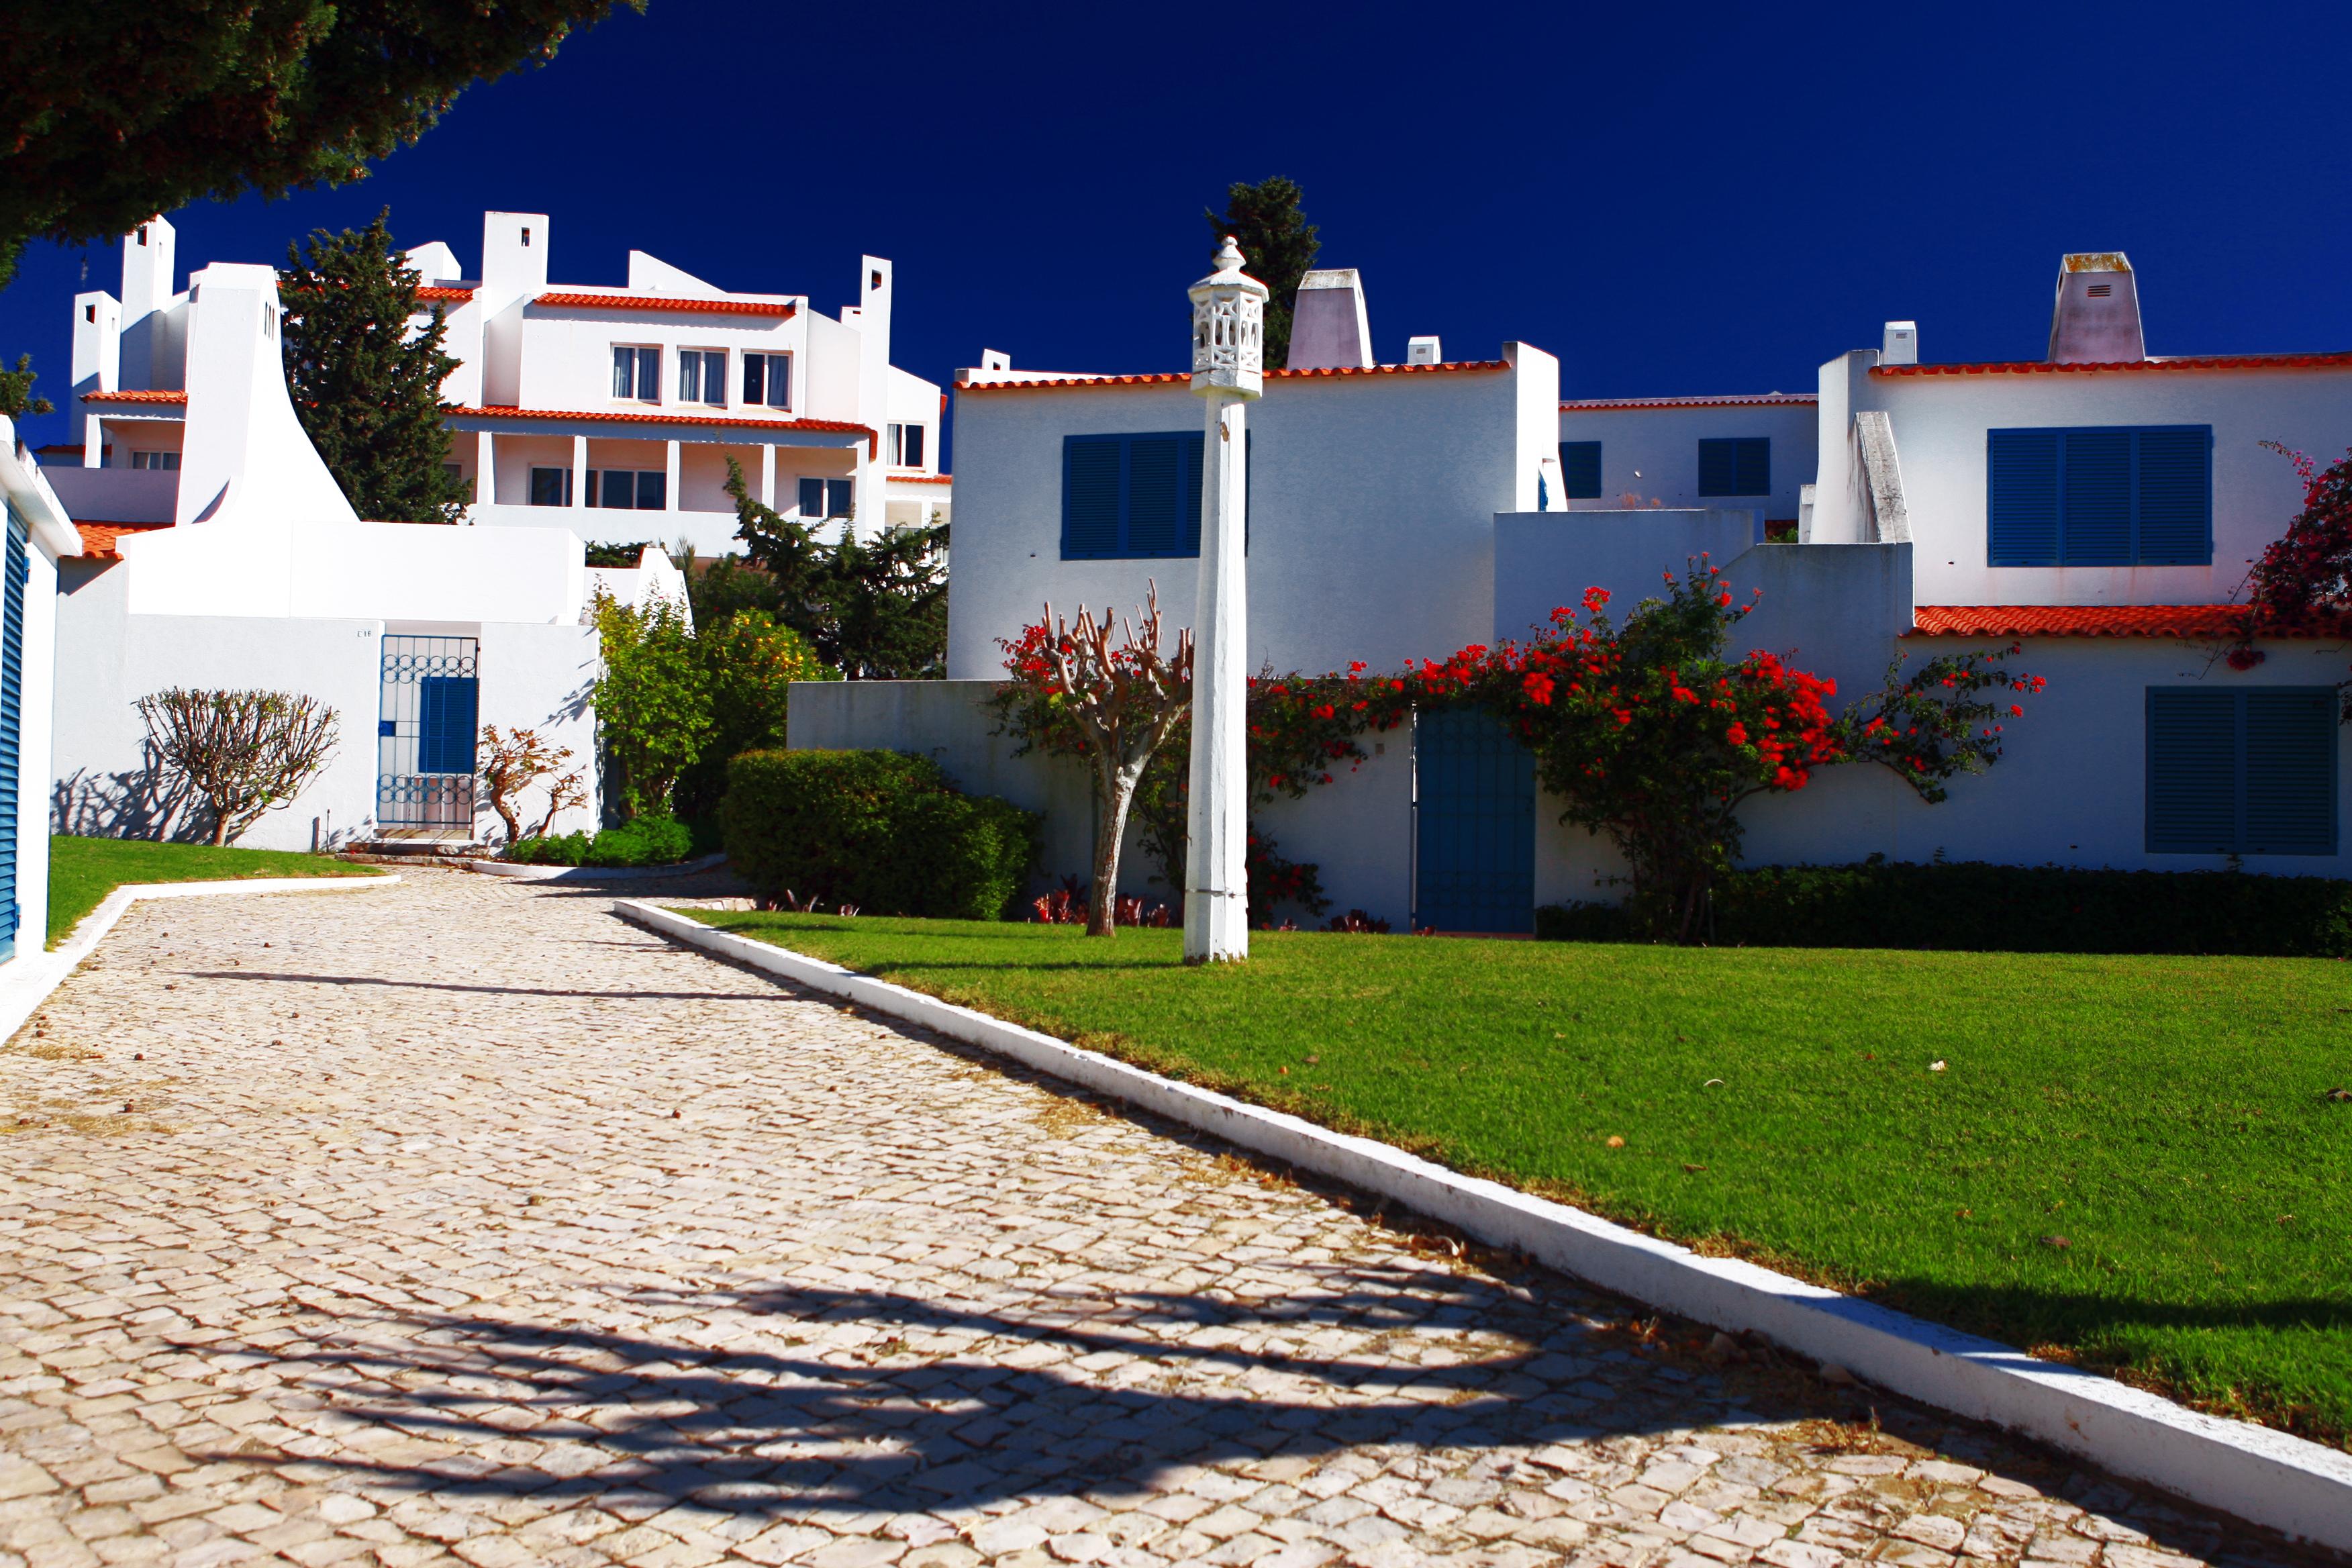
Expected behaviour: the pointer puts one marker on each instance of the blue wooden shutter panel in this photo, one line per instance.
(2174, 503)
(1131, 497)
(447, 706)
(1579, 469)
(2106, 496)
(2246, 771)
(2289, 791)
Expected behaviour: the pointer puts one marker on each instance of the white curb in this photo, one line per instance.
(591, 873)
(2262, 1476)
(27, 983)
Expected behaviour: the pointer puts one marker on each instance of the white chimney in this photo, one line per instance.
(995, 359)
(1423, 351)
(1328, 327)
(1902, 343)
(2097, 318)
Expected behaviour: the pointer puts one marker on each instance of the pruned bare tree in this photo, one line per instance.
(512, 762)
(244, 751)
(1125, 695)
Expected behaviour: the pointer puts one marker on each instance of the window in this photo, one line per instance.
(637, 374)
(550, 487)
(1737, 466)
(1130, 497)
(2250, 771)
(768, 380)
(2108, 496)
(906, 446)
(702, 376)
(1579, 469)
(827, 498)
(626, 490)
(155, 460)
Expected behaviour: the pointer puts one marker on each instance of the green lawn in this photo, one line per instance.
(2166, 1117)
(82, 871)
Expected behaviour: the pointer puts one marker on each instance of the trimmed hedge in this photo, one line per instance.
(1974, 907)
(647, 841)
(882, 830)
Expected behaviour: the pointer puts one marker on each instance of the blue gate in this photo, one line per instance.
(15, 571)
(425, 733)
(1474, 825)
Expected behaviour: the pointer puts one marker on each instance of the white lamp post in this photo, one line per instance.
(1229, 371)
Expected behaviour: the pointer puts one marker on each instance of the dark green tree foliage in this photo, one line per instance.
(1277, 244)
(882, 830)
(117, 112)
(873, 609)
(16, 397)
(366, 389)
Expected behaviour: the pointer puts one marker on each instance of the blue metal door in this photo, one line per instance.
(1474, 825)
(425, 733)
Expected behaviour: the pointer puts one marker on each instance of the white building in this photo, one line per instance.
(2099, 507)
(222, 555)
(573, 402)
(38, 534)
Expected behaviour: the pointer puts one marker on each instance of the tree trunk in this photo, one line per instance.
(220, 827)
(1102, 906)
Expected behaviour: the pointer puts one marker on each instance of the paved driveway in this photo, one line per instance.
(458, 1220)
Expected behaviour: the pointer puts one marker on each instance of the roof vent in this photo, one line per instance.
(2097, 319)
(1423, 351)
(1902, 343)
(1328, 327)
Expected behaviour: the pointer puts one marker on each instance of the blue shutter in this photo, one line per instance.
(1155, 473)
(653, 490)
(1092, 479)
(840, 498)
(2022, 498)
(1752, 466)
(1579, 469)
(447, 706)
(2095, 499)
(2175, 497)
(1473, 823)
(2192, 772)
(1194, 452)
(1717, 469)
(812, 500)
(17, 569)
(2290, 770)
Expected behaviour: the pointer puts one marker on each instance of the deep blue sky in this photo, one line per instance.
(1673, 199)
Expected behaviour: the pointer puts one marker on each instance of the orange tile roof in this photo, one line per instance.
(608, 416)
(433, 291)
(2078, 620)
(920, 479)
(1735, 400)
(102, 540)
(675, 303)
(1184, 377)
(178, 397)
(2185, 361)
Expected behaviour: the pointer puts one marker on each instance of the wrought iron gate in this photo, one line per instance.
(1474, 825)
(425, 733)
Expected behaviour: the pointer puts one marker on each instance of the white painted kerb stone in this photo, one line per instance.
(2265, 1476)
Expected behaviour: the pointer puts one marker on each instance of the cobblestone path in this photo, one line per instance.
(460, 1221)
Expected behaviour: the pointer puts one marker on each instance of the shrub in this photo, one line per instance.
(882, 830)
(1973, 906)
(647, 841)
(247, 753)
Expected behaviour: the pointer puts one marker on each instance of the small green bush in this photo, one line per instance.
(1971, 907)
(882, 830)
(649, 840)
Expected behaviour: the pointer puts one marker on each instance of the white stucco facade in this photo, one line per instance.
(257, 574)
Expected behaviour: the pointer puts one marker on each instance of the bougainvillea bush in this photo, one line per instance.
(2303, 584)
(1654, 736)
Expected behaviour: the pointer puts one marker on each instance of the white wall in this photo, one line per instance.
(1371, 511)
(369, 570)
(1654, 452)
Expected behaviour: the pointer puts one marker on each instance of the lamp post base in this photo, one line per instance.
(1216, 927)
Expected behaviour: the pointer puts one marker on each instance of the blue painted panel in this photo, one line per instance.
(1474, 825)
(447, 705)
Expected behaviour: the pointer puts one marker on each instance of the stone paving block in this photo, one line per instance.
(407, 1260)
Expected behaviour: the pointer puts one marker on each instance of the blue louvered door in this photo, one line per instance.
(2244, 771)
(16, 570)
(1473, 825)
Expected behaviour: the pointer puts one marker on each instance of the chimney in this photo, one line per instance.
(1328, 327)
(995, 359)
(2097, 319)
(1423, 351)
(1902, 343)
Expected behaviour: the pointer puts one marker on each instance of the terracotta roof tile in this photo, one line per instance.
(1184, 377)
(167, 397)
(102, 540)
(675, 304)
(2075, 620)
(2194, 361)
(433, 292)
(920, 479)
(1735, 400)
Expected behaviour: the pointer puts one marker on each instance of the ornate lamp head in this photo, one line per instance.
(1229, 328)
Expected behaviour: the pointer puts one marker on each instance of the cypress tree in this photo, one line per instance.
(366, 388)
(1278, 244)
